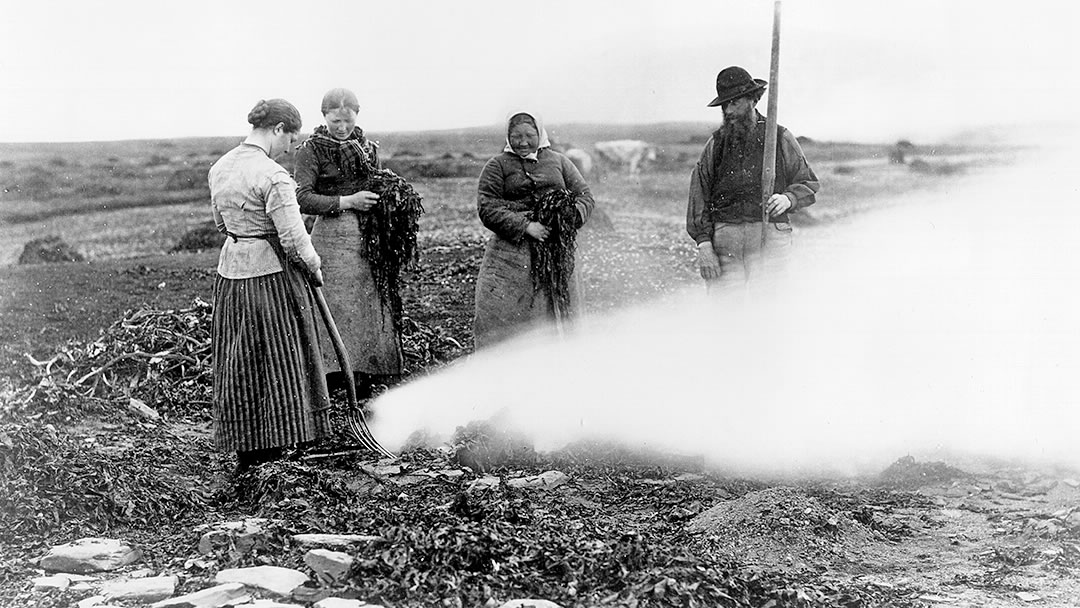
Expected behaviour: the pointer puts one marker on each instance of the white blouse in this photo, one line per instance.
(250, 196)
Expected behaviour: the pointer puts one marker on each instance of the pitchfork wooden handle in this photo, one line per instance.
(339, 344)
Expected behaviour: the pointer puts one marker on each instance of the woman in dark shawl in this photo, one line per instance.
(334, 169)
(508, 298)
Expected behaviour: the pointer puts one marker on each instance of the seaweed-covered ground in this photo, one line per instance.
(104, 432)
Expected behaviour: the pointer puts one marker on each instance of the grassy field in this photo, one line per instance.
(116, 200)
(125, 205)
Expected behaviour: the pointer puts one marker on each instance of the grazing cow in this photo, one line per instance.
(629, 153)
(581, 160)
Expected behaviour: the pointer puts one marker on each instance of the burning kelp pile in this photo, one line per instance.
(476, 520)
(435, 534)
(782, 528)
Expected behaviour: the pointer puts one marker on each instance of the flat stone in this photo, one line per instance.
(213, 597)
(43, 583)
(94, 601)
(148, 589)
(329, 566)
(483, 483)
(689, 477)
(530, 604)
(142, 409)
(270, 604)
(90, 555)
(338, 602)
(275, 579)
(544, 481)
(242, 535)
(333, 540)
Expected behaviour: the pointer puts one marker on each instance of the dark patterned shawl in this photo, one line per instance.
(352, 155)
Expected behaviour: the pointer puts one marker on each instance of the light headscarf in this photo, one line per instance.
(544, 141)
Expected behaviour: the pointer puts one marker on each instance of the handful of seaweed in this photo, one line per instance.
(553, 260)
(389, 235)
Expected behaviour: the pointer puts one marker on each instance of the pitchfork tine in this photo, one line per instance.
(357, 422)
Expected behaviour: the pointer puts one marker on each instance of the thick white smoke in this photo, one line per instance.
(948, 322)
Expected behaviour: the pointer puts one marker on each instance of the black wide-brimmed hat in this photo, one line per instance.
(735, 82)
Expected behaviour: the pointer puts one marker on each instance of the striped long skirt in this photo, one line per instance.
(269, 381)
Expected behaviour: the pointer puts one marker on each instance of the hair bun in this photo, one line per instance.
(258, 114)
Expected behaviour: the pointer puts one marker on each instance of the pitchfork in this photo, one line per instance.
(357, 423)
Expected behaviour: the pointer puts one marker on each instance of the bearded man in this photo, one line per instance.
(724, 213)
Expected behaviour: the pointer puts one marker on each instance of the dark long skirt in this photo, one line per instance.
(269, 380)
(507, 303)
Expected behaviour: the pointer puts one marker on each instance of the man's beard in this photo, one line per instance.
(739, 128)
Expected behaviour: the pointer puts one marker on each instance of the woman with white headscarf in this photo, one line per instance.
(510, 186)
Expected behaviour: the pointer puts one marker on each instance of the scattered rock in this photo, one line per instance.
(237, 536)
(214, 597)
(544, 481)
(530, 604)
(330, 566)
(689, 477)
(149, 589)
(277, 580)
(1027, 597)
(90, 555)
(337, 602)
(333, 540)
(94, 601)
(43, 583)
(483, 483)
(142, 409)
(270, 604)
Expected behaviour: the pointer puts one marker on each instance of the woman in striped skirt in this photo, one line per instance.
(269, 383)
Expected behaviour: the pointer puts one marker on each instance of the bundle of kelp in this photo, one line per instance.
(553, 259)
(389, 234)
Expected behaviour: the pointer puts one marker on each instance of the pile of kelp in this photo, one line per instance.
(389, 234)
(159, 363)
(608, 537)
(87, 482)
(553, 259)
(425, 347)
(150, 356)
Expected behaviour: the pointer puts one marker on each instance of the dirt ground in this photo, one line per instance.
(626, 529)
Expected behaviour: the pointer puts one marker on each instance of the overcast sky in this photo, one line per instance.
(857, 70)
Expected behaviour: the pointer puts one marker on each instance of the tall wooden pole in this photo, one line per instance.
(768, 174)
